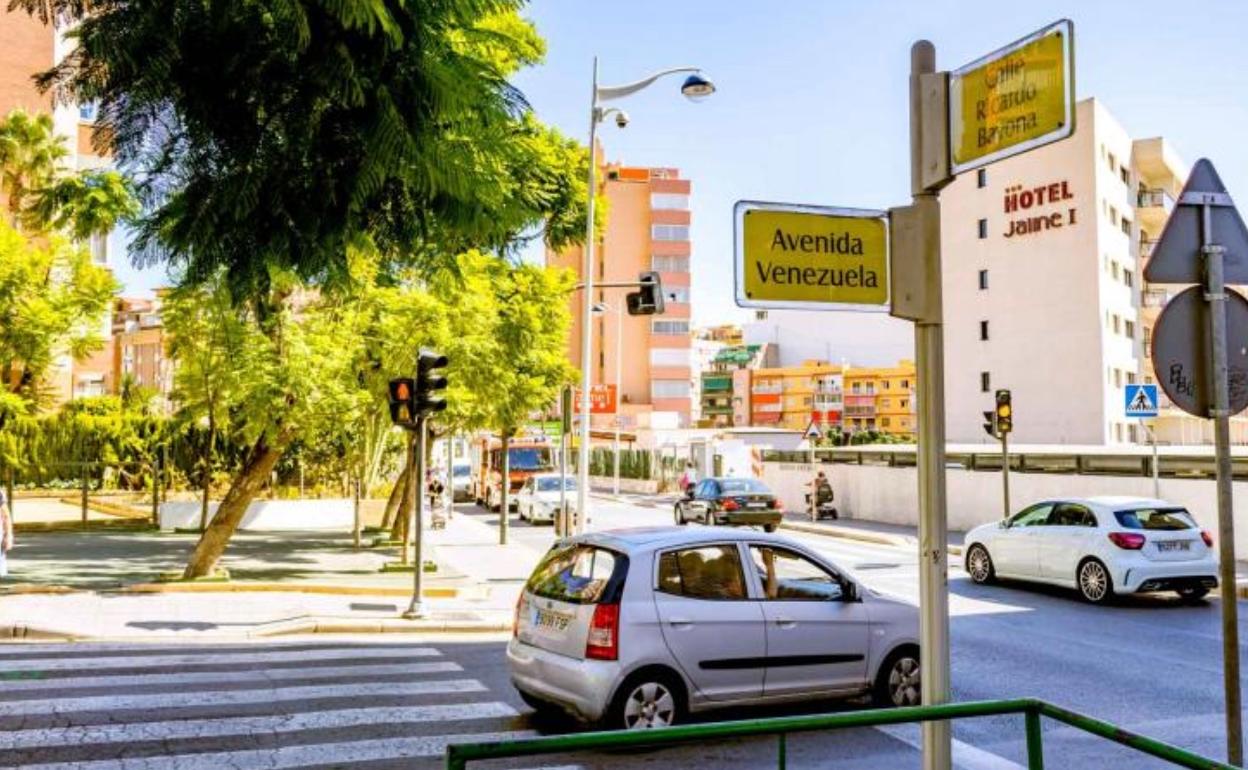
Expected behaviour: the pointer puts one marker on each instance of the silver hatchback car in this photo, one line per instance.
(636, 628)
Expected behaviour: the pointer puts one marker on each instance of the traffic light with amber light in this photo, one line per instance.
(403, 401)
(990, 423)
(1005, 412)
(430, 382)
(649, 300)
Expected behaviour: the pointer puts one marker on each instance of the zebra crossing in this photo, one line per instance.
(269, 706)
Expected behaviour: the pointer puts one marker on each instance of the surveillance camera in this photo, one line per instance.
(621, 119)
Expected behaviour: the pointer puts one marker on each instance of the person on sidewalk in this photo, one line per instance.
(689, 478)
(6, 533)
(820, 492)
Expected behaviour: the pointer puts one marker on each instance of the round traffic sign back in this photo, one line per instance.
(1182, 350)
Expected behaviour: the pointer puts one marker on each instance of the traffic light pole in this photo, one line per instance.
(1005, 473)
(415, 487)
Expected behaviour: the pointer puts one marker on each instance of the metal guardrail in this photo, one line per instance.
(459, 755)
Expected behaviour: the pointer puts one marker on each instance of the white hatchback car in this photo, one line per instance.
(538, 499)
(1099, 546)
(636, 628)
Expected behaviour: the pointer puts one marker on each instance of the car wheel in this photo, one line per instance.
(897, 682)
(648, 701)
(1192, 593)
(769, 527)
(979, 565)
(680, 516)
(1095, 584)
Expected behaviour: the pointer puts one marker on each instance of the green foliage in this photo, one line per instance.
(52, 299)
(634, 463)
(84, 204)
(29, 154)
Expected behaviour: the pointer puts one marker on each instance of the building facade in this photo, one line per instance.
(139, 349)
(881, 399)
(721, 396)
(1043, 260)
(647, 229)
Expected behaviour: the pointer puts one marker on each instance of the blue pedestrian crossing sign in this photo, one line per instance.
(1141, 400)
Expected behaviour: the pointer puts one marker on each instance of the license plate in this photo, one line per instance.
(544, 620)
(756, 505)
(1174, 545)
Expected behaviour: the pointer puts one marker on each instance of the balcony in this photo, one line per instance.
(1146, 248)
(1156, 298)
(1154, 206)
(773, 389)
(716, 383)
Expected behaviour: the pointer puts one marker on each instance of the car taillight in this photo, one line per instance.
(773, 503)
(603, 642)
(1128, 540)
(515, 618)
(1204, 535)
(731, 505)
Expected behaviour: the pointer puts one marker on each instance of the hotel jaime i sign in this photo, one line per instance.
(1014, 99)
(1031, 210)
(810, 257)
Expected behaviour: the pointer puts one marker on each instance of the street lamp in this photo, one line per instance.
(695, 88)
(603, 307)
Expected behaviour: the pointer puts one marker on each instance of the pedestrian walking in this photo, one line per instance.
(6, 533)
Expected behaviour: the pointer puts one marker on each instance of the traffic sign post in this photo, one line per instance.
(1205, 241)
(1141, 401)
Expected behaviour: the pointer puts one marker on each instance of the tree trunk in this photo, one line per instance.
(505, 490)
(396, 497)
(207, 479)
(247, 484)
(398, 530)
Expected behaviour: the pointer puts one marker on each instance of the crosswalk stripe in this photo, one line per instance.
(319, 754)
(171, 658)
(116, 703)
(231, 726)
(247, 676)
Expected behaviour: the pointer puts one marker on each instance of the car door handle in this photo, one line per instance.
(784, 622)
(679, 622)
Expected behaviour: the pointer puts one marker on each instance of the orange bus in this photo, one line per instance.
(527, 455)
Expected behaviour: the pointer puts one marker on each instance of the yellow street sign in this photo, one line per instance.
(810, 257)
(1014, 99)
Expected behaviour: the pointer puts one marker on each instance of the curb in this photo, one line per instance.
(19, 633)
(435, 592)
(34, 634)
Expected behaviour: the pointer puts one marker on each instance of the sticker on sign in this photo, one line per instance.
(810, 257)
(1014, 99)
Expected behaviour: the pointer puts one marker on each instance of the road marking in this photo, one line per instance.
(965, 756)
(193, 698)
(261, 676)
(319, 754)
(171, 658)
(232, 726)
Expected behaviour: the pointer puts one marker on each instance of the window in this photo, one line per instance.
(669, 201)
(1128, 329)
(676, 293)
(1071, 515)
(669, 232)
(885, 385)
(983, 280)
(575, 574)
(666, 264)
(904, 404)
(1118, 380)
(98, 246)
(985, 382)
(1125, 173)
(787, 576)
(1165, 519)
(857, 388)
(88, 112)
(1130, 378)
(905, 384)
(710, 573)
(885, 403)
(1113, 215)
(981, 178)
(1113, 162)
(983, 330)
(1133, 436)
(1035, 516)
(884, 422)
(669, 357)
(669, 327)
(1128, 277)
(1113, 269)
(1118, 432)
(669, 388)
(983, 228)
(1126, 226)
(1116, 324)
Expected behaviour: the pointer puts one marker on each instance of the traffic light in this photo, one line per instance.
(990, 423)
(1005, 412)
(649, 300)
(430, 382)
(403, 401)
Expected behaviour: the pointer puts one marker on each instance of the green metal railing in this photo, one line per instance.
(459, 755)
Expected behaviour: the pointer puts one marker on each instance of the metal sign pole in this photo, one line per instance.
(1215, 295)
(927, 126)
(1005, 472)
(416, 609)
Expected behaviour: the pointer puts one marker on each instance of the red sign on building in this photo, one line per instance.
(601, 399)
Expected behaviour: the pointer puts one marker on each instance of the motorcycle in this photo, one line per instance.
(823, 506)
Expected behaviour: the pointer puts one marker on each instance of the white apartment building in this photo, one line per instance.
(865, 339)
(1043, 258)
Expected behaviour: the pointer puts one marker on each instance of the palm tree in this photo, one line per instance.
(30, 153)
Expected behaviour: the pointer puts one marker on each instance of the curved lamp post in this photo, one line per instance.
(695, 87)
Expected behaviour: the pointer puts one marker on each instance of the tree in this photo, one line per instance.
(530, 333)
(30, 153)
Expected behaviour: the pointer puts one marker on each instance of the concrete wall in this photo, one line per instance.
(890, 495)
(269, 515)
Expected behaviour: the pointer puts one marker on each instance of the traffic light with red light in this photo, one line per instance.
(403, 401)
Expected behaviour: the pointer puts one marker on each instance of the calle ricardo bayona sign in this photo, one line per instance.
(793, 256)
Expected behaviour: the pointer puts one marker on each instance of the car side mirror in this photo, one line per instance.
(1004, 524)
(849, 591)
(689, 493)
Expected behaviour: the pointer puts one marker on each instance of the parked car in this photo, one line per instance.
(636, 628)
(461, 482)
(731, 501)
(538, 499)
(1100, 546)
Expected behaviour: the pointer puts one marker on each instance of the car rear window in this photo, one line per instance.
(1156, 518)
(743, 486)
(577, 574)
(462, 470)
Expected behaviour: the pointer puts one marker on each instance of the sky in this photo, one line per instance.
(811, 100)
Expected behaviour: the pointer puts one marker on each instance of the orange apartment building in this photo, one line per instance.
(647, 229)
(28, 47)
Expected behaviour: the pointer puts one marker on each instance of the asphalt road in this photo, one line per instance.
(1150, 665)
